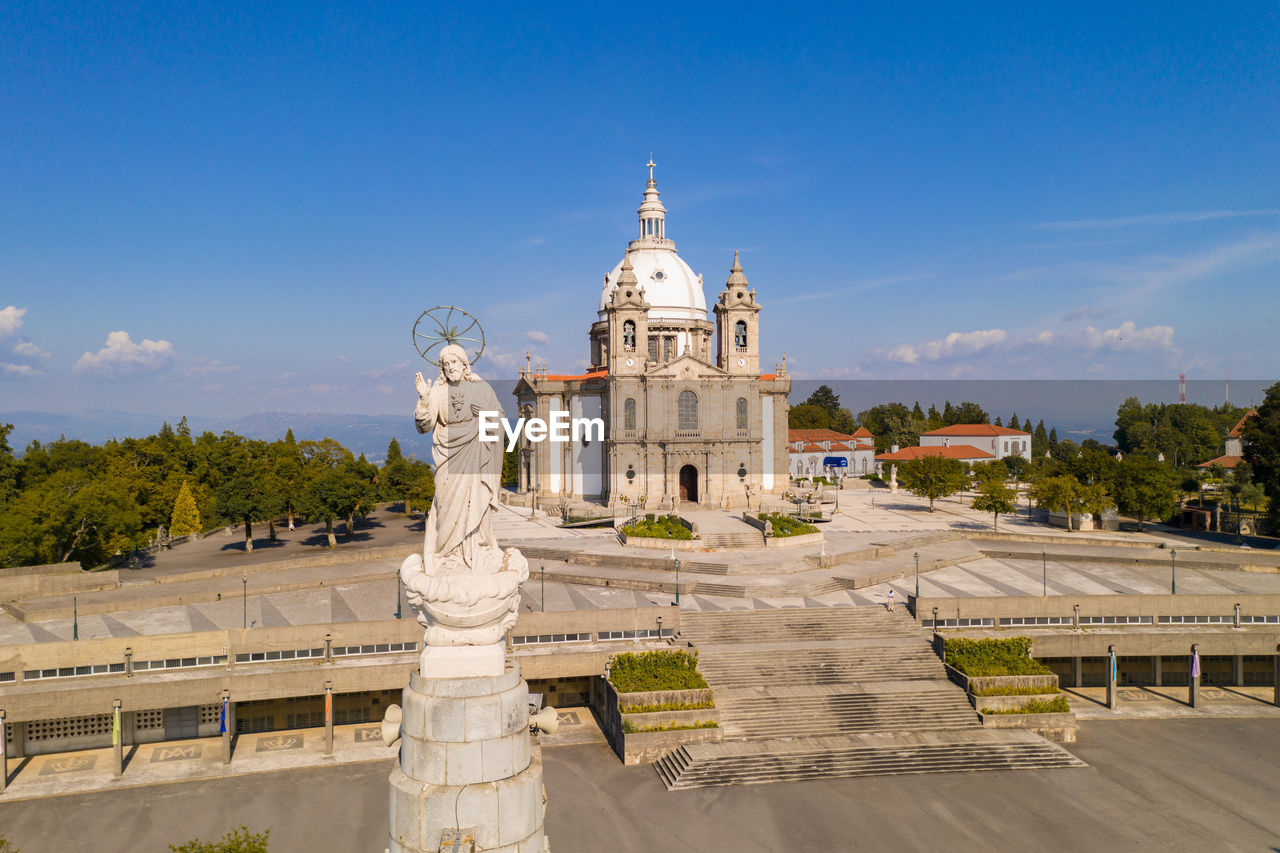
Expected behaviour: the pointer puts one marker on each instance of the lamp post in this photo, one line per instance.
(397, 595)
(1173, 572)
(677, 581)
(75, 619)
(244, 599)
(1044, 572)
(917, 556)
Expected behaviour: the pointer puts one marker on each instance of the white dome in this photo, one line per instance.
(671, 287)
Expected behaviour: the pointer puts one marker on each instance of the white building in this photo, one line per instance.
(999, 442)
(827, 453)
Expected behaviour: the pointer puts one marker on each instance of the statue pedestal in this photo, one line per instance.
(463, 661)
(468, 767)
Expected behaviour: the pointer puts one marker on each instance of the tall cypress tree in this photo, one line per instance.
(186, 515)
(1013, 422)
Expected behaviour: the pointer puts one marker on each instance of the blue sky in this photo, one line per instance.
(219, 210)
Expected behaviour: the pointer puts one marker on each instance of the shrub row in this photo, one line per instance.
(631, 729)
(1014, 691)
(657, 670)
(666, 706)
(1008, 656)
(1037, 706)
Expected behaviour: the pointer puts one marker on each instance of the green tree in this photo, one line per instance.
(235, 841)
(8, 467)
(1039, 440)
(186, 517)
(933, 477)
(809, 416)
(964, 413)
(247, 495)
(826, 399)
(1144, 488)
(1014, 423)
(1053, 442)
(892, 423)
(996, 498)
(1262, 448)
(420, 488)
(933, 420)
(334, 493)
(1059, 493)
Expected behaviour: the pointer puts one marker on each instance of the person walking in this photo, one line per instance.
(891, 600)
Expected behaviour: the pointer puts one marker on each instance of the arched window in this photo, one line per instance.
(687, 411)
(742, 413)
(629, 414)
(629, 335)
(740, 334)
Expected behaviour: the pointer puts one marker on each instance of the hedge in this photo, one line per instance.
(657, 670)
(785, 525)
(986, 657)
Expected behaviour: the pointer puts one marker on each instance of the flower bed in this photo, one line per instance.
(658, 527)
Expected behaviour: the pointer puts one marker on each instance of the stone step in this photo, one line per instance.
(757, 762)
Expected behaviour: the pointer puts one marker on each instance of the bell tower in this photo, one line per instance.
(738, 325)
(628, 319)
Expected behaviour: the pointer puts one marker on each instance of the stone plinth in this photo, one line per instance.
(467, 766)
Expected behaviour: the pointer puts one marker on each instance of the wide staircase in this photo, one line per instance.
(816, 693)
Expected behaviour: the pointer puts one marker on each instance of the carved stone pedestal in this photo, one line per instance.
(467, 768)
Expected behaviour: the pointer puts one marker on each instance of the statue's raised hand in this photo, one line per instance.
(422, 384)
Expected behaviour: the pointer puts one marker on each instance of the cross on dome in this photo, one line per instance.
(651, 164)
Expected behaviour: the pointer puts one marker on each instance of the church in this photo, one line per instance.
(689, 418)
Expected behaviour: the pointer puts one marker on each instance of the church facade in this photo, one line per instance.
(689, 417)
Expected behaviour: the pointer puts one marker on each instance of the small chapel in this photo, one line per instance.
(689, 418)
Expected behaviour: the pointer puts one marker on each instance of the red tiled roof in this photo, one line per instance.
(836, 447)
(823, 434)
(975, 429)
(768, 376)
(1235, 431)
(954, 451)
(862, 432)
(561, 377)
(1224, 461)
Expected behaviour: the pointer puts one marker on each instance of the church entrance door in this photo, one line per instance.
(689, 484)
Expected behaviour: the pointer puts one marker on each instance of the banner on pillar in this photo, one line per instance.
(1113, 667)
(222, 720)
(1195, 664)
(115, 727)
(328, 706)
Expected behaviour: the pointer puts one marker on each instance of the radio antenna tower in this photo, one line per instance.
(1182, 387)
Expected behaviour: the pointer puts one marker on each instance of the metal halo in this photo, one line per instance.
(442, 325)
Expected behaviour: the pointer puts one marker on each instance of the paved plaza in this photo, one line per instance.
(1154, 785)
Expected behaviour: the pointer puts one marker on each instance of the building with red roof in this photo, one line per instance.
(827, 453)
(996, 441)
(1234, 448)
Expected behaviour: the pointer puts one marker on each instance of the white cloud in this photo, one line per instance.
(29, 349)
(19, 369)
(537, 336)
(954, 344)
(11, 320)
(205, 366)
(1126, 337)
(121, 352)
(1149, 219)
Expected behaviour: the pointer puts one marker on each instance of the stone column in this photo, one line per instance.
(467, 768)
(1237, 670)
(328, 718)
(1076, 667)
(1156, 671)
(1193, 691)
(117, 745)
(4, 755)
(1275, 679)
(1111, 677)
(228, 725)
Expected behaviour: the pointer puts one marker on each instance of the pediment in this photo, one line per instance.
(686, 367)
